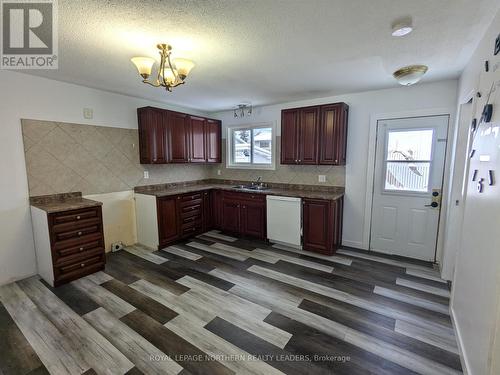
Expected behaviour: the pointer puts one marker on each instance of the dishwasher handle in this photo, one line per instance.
(280, 198)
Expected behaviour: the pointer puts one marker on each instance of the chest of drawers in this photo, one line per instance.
(69, 244)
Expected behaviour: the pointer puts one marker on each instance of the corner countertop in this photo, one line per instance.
(62, 202)
(299, 191)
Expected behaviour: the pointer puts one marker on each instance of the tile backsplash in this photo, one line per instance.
(62, 157)
(286, 174)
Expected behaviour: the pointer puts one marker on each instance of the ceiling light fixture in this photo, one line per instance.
(410, 75)
(243, 109)
(170, 74)
(402, 27)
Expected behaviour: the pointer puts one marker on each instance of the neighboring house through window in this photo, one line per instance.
(251, 146)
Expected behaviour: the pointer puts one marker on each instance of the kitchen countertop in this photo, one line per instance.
(62, 202)
(289, 191)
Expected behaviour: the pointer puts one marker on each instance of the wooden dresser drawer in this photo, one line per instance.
(82, 252)
(191, 208)
(190, 219)
(77, 241)
(76, 233)
(74, 225)
(190, 197)
(75, 215)
(73, 271)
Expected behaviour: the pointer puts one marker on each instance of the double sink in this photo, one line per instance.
(259, 186)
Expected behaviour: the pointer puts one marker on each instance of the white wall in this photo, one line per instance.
(476, 285)
(25, 96)
(362, 106)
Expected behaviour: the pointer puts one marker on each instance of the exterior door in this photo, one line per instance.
(408, 181)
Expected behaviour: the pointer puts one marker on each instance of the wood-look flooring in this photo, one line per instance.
(220, 305)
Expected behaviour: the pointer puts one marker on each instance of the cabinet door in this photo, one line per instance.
(253, 219)
(152, 136)
(197, 150)
(289, 136)
(333, 134)
(217, 209)
(308, 135)
(230, 216)
(317, 229)
(168, 228)
(213, 139)
(208, 210)
(178, 128)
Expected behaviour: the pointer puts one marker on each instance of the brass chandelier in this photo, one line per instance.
(170, 73)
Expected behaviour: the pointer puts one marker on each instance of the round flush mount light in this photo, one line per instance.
(402, 27)
(410, 75)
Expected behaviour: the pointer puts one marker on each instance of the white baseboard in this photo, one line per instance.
(461, 349)
(356, 244)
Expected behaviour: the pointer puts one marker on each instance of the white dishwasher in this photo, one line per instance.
(284, 220)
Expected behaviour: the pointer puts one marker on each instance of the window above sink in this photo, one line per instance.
(251, 146)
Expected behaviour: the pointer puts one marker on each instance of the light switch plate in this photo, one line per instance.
(88, 113)
(146, 174)
(321, 178)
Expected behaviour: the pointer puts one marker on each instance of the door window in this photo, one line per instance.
(408, 160)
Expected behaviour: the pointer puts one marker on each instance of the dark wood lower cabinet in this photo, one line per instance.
(322, 225)
(244, 214)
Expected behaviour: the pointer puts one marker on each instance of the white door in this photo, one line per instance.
(408, 180)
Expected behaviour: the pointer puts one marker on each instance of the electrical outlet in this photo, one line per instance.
(88, 113)
(321, 178)
(219, 172)
(146, 174)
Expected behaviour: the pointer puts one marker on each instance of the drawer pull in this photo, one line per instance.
(80, 233)
(78, 217)
(81, 248)
(82, 265)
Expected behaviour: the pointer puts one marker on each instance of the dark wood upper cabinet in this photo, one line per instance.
(178, 126)
(197, 148)
(213, 137)
(308, 136)
(333, 134)
(153, 136)
(314, 135)
(174, 137)
(289, 136)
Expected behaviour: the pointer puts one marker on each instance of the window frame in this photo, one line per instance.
(231, 164)
(385, 161)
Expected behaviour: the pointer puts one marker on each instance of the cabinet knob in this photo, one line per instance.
(79, 233)
(82, 265)
(244, 207)
(336, 161)
(81, 248)
(300, 160)
(178, 197)
(78, 217)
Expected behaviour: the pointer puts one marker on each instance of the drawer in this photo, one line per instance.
(191, 230)
(64, 274)
(195, 202)
(80, 256)
(77, 233)
(190, 219)
(73, 225)
(79, 265)
(190, 197)
(78, 250)
(193, 208)
(75, 215)
(78, 241)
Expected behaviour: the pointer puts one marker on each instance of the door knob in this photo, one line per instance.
(433, 205)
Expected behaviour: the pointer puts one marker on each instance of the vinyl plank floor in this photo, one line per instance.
(146, 357)
(98, 351)
(217, 304)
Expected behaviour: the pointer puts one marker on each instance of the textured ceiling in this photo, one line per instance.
(264, 51)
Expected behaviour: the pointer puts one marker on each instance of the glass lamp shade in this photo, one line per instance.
(168, 75)
(410, 75)
(183, 67)
(144, 65)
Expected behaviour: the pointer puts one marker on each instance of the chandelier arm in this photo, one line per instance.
(162, 68)
(157, 84)
(176, 75)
